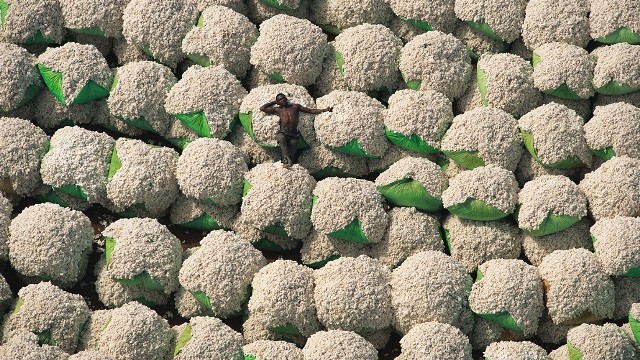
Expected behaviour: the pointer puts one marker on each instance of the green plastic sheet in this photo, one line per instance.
(110, 245)
(353, 148)
(93, 31)
(569, 163)
(246, 120)
(275, 4)
(330, 172)
(179, 142)
(276, 229)
(482, 86)
(90, 92)
(467, 159)
(615, 88)
(321, 263)
(418, 23)
(196, 121)
(114, 164)
(621, 35)
(340, 62)
(473, 209)
(606, 153)
(411, 142)
(330, 29)
(4, 8)
(45, 338)
(202, 299)
(203, 222)
(485, 29)
(246, 186)
(53, 81)
(286, 329)
(72, 190)
(39, 39)
(411, 193)
(635, 328)
(184, 338)
(140, 123)
(142, 280)
(574, 353)
(53, 197)
(503, 319)
(29, 94)
(352, 232)
(414, 84)
(277, 78)
(553, 224)
(265, 244)
(201, 60)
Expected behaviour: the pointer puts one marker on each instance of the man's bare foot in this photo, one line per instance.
(286, 165)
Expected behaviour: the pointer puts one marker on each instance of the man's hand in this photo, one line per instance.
(329, 109)
(268, 107)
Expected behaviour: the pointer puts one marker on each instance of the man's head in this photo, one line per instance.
(281, 99)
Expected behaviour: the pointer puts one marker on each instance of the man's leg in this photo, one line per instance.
(293, 150)
(284, 146)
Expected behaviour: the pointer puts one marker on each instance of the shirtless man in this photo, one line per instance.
(288, 134)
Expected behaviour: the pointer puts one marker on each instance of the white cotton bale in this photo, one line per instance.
(22, 147)
(93, 17)
(436, 61)
(24, 344)
(535, 248)
(296, 61)
(90, 355)
(282, 299)
(220, 272)
(50, 242)
(627, 291)
(445, 286)
(616, 71)
(318, 249)
(78, 162)
(612, 189)
(252, 152)
(338, 345)
(615, 21)
(548, 21)
(484, 333)
(563, 70)
(139, 93)
(206, 100)
(31, 23)
(427, 15)
(614, 241)
(472, 243)
(126, 52)
(75, 73)
(581, 107)
(259, 11)
(222, 37)
(509, 286)
(367, 56)
(576, 286)
(554, 136)
(53, 314)
(550, 204)
(353, 294)
(501, 19)
(273, 350)
(212, 170)
(613, 129)
(202, 215)
(278, 200)
(330, 78)
(146, 25)
(130, 332)
(600, 342)
(505, 81)
(261, 240)
(102, 117)
(524, 350)
(6, 208)
(322, 162)
(529, 169)
(20, 80)
(335, 16)
(478, 43)
(210, 338)
(142, 253)
(483, 136)
(435, 341)
(349, 204)
(262, 127)
(235, 5)
(49, 113)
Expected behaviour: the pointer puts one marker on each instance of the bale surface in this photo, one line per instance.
(6, 208)
(616, 71)
(202, 215)
(548, 21)
(435, 341)
(500, 19)
(600, 342)
(273, 350)
(338, 345)
(338, 15)
(438, 15)
(615, 243)
(613, 129)
(208, 338)
(614, 21)
(563, 70)
(20, 80)
(24, 344)
(31, 23)
(318, 249)
(94, 17)
(524, 350)
(535, 248)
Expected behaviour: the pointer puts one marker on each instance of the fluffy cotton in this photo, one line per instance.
(426, 114)
(223, 37)
(557, 136)
(615, 244)
(221, 269)
(49, 113)
(6, 208)
(259, 11)
(262, 240)
(353, 294)
(524, 350)
(576, 285)
(79, 157)
(318, 249)
(139, 93)
(549, 196)
(503, 18)
(341, 201)
(559, 64)
(529, 169)
(438, 62)
(79, 65)
(211, 92)
(438, 15)
(548, 21)
(335, 16)
(600, 342)
(209, 338)
(94, 17)
(252, 152)
(613, 130)
(273, 350)
(263, 127)
(478, 42)
(50, 242)
(20, 79)
(338, 345)
(24, 344)
(370, 55)
(616, 64)
(506, 82)
(435, 341)
(48, 311)
(607, 17)
(130, 332)
(30, 22)
(510, 286)
(146, 180)
(472, 243)
(612, 189)
(212, 170)
(444, 285)
(146, 25)
(490, 134)
(322, 162)
(298, 60)
(535, 248)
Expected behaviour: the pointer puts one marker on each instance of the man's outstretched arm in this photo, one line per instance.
(314, 111)
(268, 108)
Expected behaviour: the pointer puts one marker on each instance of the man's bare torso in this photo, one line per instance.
(289, 118)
